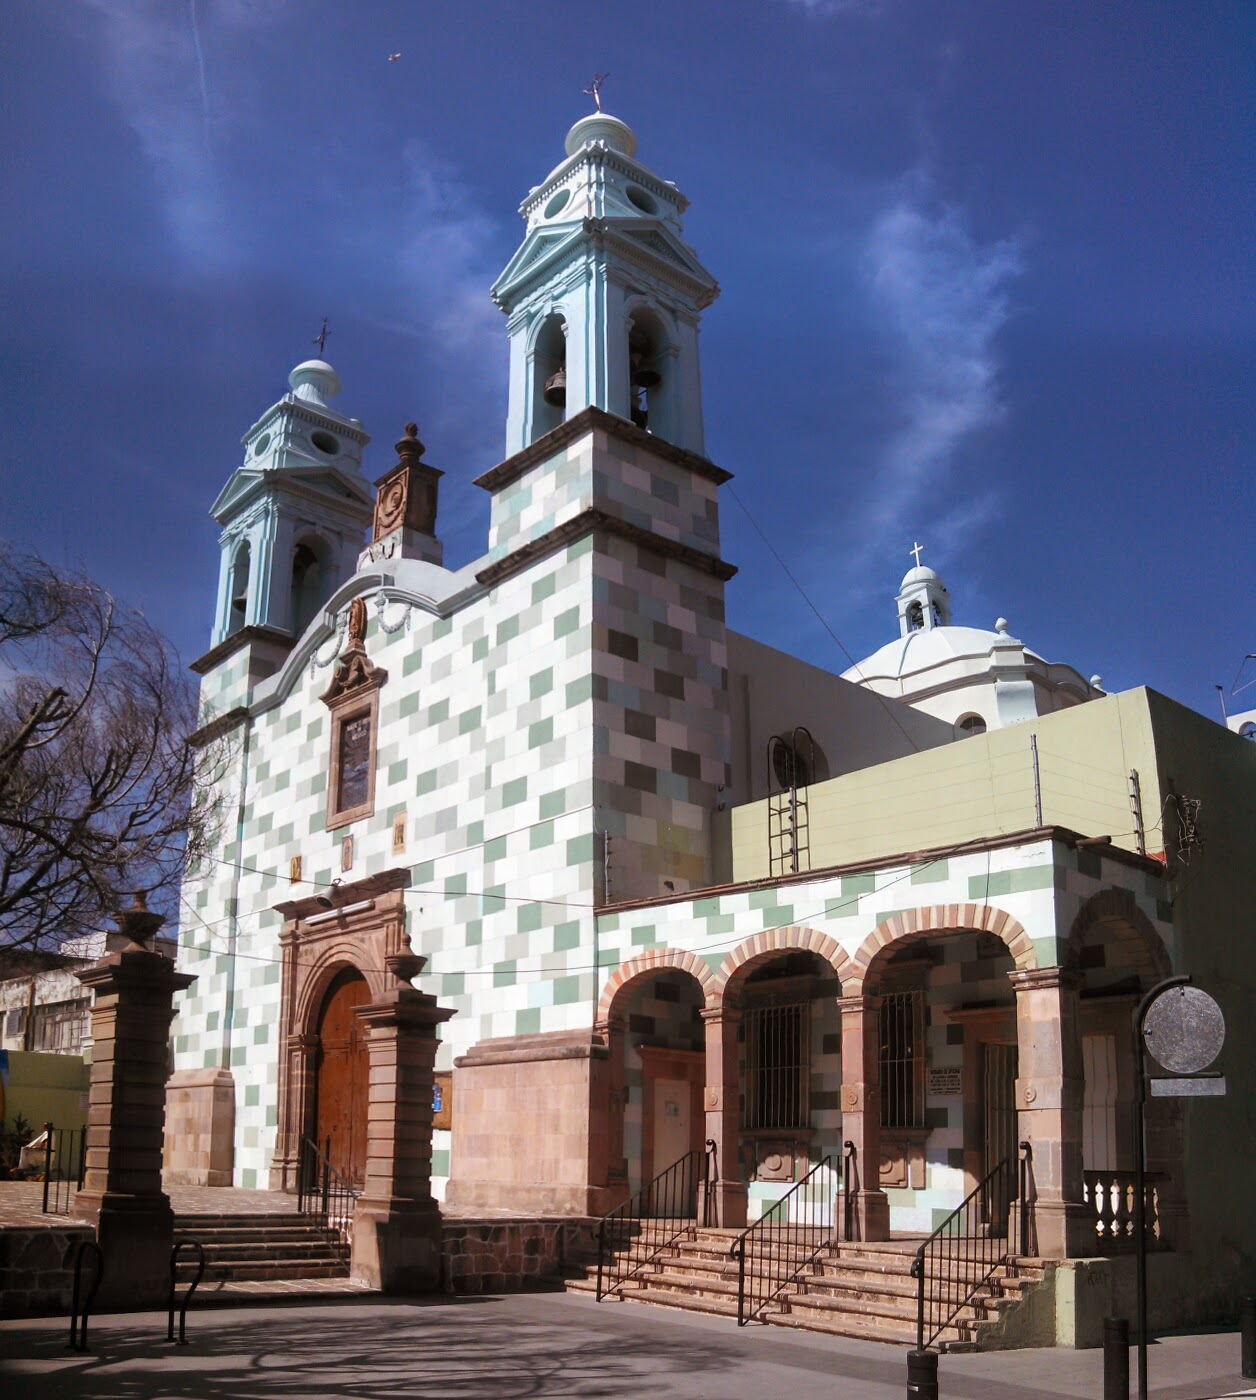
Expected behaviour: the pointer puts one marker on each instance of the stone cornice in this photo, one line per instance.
(863, 867)
(585, 422)
(217, 727)
(255, 632)
(588, 520)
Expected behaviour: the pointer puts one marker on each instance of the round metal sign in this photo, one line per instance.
(1184, 1029)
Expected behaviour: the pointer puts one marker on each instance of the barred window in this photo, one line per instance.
(903, 1060)
(777, 1066)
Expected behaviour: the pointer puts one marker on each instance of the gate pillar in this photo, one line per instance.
(861, 1111)
(722, 1101)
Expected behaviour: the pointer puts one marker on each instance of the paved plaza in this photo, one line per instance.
(533, 1346)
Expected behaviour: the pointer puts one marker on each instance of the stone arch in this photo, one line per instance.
(649, 964)
(792, 938)
(1118, 910)
(913, 924)
(321, 970)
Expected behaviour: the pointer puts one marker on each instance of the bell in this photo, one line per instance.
(239, 602)
(556, 388)
(646, 379)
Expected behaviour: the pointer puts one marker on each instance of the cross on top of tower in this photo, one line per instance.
(594, 90)
(321, 338)
(915, 552)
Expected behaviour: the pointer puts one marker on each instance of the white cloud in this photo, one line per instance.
(940, 298)
(155, 69)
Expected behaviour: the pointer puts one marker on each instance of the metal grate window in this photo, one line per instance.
(777, 1066)
(903, 1060)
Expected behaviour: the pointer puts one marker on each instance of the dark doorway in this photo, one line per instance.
(343, 1075)
(999, 1100)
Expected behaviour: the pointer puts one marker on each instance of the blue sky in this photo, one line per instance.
(987, 283)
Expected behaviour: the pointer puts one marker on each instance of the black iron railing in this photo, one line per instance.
(634, 1235)
(323, 1194)
(65, 1161)
(975, 1240)
(848, 1190)
(786, 1240)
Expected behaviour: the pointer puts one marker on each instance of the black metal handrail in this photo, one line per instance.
(65, 1162)
(78, 1333)
(635, 1234)
(848, 1192)
(323, 1193)
(962, 1254)
(776, 1249)
(187, 1297)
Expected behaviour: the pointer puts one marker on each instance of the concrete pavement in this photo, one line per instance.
(535, 1346)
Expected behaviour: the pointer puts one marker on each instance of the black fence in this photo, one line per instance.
(961, 1255)
(323, 1194)
(65, 1162)
(635, 1234)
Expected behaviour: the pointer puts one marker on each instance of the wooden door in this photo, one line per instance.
(343, 1075)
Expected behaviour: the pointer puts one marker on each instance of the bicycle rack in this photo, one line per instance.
(78, 1333)
(187, 1297)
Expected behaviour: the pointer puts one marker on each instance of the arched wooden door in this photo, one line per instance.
(343, 1074)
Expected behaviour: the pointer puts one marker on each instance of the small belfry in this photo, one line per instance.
(293, 513)
(604, 296)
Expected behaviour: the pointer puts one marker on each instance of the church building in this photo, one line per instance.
(669, 886)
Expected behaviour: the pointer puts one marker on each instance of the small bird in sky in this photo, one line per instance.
(393, 57)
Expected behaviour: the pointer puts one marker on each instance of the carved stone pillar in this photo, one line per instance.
(1165, 1121)
(612, 1031)
(861, 1111)
(722, 1100)
(296, 1095)
(1049, 1091)
(122, 1194)
(397, 1224)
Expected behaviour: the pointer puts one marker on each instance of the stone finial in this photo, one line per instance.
(357, 624)
(410, 449)
(139, 923)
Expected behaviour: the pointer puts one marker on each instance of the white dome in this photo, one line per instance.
(922, 573)
(923, 650)
(601, 126)
(315, 381)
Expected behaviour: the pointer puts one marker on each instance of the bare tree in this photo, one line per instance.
(98, 782)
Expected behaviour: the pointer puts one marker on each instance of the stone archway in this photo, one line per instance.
(362, 933)
(792, 938)
(932, 920)
(665, 1069)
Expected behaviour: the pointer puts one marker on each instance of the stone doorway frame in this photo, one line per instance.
(361, 925)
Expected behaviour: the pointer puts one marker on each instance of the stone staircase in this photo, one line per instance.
(255, 1247)
(862, 1290)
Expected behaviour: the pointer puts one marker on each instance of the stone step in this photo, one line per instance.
(254, 1269)
(239, 1235)
(866, 1331)
(293, 1251)
(662, 1298)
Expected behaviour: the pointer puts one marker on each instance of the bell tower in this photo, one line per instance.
(604, 296)
(293, 514)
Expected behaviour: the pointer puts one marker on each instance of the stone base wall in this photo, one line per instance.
(524, 1135)
(37, 1269)
(507, 1256)
(200, 1128)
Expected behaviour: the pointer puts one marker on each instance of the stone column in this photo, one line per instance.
(612, 1030)
(861, 1111)
(122, 1194)
(397, 1224)
(1049, 1090)
(296, 1090)
(722, 1098)
(1165, 1121)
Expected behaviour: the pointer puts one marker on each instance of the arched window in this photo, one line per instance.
(238, 591)
(549, 376)
(308, 583)
(915, 617)
(651, 375)
(1247, 731)
(971, 724)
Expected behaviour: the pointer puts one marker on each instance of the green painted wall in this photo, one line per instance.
(46, 1088)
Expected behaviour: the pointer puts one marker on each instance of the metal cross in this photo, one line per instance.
(594, 90)
(915, 550)
(321, 338)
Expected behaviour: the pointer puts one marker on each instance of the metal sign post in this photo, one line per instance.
(1185, 1030)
